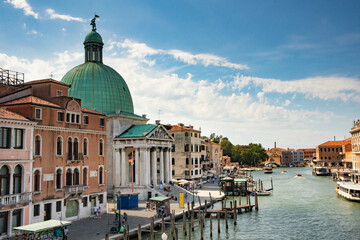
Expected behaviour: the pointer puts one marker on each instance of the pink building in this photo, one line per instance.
(16, 134)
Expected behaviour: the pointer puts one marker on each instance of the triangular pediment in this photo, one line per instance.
(159, 133)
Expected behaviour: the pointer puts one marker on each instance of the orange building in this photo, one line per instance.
(68, 148)
(334, 154)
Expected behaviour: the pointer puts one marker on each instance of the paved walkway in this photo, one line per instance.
(95, 228)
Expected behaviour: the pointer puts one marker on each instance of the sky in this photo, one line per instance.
(253, 71)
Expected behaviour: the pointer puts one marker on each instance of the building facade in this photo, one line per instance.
(68, 175)
(16, 159)
(186, 152)
(334, 154)
(355, 144)
(309, 153)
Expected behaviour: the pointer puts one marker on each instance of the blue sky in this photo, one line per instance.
(254, 71)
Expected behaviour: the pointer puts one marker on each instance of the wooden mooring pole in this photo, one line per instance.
(189, 230)
(139, 231)
(226, 219)
(235, 213)
(256, 202)
(184, 224)
(218, 218)
(210, 225)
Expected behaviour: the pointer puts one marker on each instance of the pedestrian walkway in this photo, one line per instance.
(96, 228)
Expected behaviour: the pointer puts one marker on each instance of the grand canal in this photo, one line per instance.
(300, 208)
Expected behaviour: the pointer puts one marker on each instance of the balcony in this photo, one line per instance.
(74, 157)
(74, 189)
(14, 199)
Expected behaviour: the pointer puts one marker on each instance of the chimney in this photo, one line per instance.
(144, 115)
(274, 144)
(334, 138)
(181, 125)
(157, 122)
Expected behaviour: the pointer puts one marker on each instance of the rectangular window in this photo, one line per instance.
(19, 137)
(38, 113)
(77, 119)
(60, 116)
(102, 122)
(86, 120)
(173, 161)
(68, 117)
(196, 172)
(5, 137)
(173, 148)
(85, 201)
(36, 210)
(173, 172)
(72, 118)
(101, 198)
(58, 206)
(3, 222)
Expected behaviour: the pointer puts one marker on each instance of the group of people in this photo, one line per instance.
(97, 210)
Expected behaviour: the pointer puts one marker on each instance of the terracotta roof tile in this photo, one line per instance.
(336, 143)
(90, 111)
(46, 81)
(31, 99)
(178, 128)
(10, 115)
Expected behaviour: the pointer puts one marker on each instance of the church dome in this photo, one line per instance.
(98, 86)
(93, 37)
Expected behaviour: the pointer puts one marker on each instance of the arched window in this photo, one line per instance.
(59, 146)
(76, 149)
(68, 177)
(101, 147)
(4, 180)
(58, 178)
(85, 171)
(37, 145)
(70, 149)
(85, 147)
(37, 181)
(76, 177)
(17, 176)
(101, 175)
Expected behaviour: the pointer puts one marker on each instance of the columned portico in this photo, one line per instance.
(144, 150)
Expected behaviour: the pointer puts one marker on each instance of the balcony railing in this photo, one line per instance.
(75, 156)
(14, 199)
(74, 189)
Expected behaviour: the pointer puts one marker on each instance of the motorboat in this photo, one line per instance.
(298, 175)
(268, 170)
(349, 191)
(261, 193)
(321, 171)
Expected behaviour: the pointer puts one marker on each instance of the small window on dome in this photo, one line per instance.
(124, 89)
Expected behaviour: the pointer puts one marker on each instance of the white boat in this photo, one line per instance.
(321, 171)
(268, 170)
(349, 191)
(262, 193)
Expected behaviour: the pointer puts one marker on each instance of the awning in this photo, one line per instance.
(42, 226)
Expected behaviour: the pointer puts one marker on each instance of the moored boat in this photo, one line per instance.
(349, 191)
(321, 171)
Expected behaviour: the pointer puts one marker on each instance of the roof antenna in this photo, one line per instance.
(51, 75)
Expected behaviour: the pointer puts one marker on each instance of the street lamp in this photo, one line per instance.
(118, 203)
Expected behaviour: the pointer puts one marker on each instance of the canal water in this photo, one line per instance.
(304, 207)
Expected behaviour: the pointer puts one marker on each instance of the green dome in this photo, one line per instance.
(99, 87)
(93, 37)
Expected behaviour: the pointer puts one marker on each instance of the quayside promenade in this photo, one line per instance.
(95, 228)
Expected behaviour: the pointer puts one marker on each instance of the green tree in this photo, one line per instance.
(226, 146)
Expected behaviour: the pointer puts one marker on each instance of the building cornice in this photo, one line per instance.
(52, 128)
(21, 122)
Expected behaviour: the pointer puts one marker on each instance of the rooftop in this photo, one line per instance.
(336, 143)
(138, 131)
(10, 115)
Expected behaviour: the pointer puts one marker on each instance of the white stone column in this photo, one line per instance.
(117, 167)
(11, 183)
(142, 167)
(124, 164)
(162, 165)
(10, 219)
(170, 165)
(148, 168)
(166, 166)
(137, 167)
(154, 168)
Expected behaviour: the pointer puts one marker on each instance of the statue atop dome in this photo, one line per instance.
(93, 24)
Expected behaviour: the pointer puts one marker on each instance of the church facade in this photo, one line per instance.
(138, 154)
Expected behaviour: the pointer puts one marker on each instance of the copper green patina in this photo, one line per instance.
(138, 131)
(98, 86)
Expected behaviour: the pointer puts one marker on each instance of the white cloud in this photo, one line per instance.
(22, 4)
(54, 15)
(141, 51)
(321, 87)
(34, 32)
(63, 29)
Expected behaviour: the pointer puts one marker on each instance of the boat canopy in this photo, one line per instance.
(42, 226)
(349, 185)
